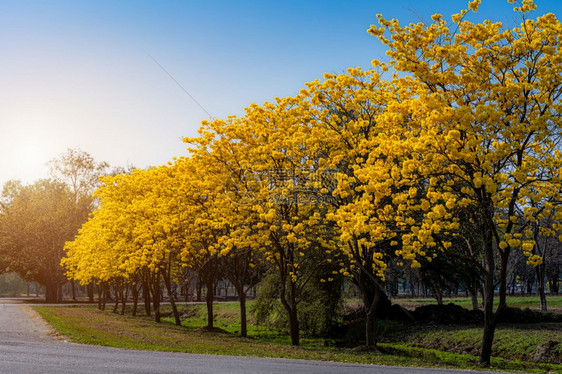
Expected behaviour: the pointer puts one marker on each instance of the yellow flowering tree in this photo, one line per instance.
(157, 234)
(200, 223)
(488, 115)
(355, 120)
(130, 236)
(104, 248)
(270, 162)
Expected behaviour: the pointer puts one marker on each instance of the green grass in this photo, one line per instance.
(87, 325)
(523, 302)
(428, 346)
(512, 342)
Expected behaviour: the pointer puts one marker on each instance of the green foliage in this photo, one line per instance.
(319, 309)
(322, 306)
(267, 309)
(34, 226)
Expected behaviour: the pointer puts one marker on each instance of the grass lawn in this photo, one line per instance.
(554, 303)
(86, 324)
(427, 345)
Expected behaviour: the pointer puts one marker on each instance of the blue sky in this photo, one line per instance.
(79, 74)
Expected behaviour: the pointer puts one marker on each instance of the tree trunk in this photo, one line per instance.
(172, 301)
(513, 283)
(146, 298)
(51, 290)
(488, 336)
(199, 285)
(104, 295)
(156, 297)
(59, 293)
(438, 294)
(375, 303)
(553, 283)
(290, 303)
(504, 257)
(489, 320)
(100, 294)
(243, 320)
(539, 271)
(90, 289)
(73, 288)
(209, 298)
(209, 301)
(474, 298)
(124, 297)
(116, 291)
(294, 326)
(135, 292)
(370, 319)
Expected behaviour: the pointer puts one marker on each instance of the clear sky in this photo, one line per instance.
(81, 74)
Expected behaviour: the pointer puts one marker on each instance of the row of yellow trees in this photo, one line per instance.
(452, 147)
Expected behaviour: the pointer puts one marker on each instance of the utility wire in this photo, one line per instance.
(179, 84)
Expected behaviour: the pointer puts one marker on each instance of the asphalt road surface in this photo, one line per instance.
(28, 345)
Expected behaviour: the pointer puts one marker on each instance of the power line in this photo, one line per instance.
(178, 83)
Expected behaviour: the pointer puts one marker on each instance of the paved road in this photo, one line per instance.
(28, 345)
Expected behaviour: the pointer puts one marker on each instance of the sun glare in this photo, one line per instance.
(27, 159)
